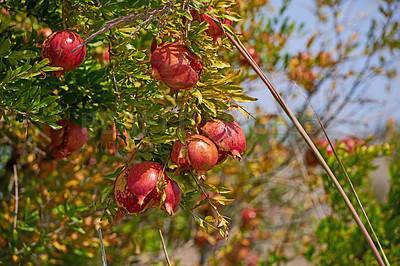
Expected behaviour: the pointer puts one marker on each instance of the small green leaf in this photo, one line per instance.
(116, 173)
(181, 135)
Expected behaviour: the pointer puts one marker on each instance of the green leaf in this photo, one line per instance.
(210, 106)
(181, 135)
(209, 219)
(243, 98)
(116, 173)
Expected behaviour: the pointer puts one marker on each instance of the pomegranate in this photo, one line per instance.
(229, 137)
(176, 66)
(69, 138)
(198, 152)
(46, 166)
(125, 198)
(107, 140)
(57, 48)
(143, 178)
(213, 30)
(351, 143)
(173, 197)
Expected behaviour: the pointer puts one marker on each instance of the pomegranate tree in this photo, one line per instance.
(69, 138)
(176, 66)
(198, 152)
(58, 47)
(229, 138)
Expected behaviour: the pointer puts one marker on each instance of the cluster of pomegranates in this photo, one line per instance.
(146, 184)
(219, 139)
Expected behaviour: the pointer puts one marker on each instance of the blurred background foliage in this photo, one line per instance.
(285, 209)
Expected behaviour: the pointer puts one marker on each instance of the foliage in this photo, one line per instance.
(52, 209)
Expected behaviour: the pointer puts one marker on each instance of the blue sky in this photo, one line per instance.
(354, 17)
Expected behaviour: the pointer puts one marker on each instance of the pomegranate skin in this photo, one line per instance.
(57, 48)
(176, 66)
(198, 152)
(142, 179)
(178, 158)
(71, 137)
(213, 30)
(173, 197)
(229, 137)
(125, 198)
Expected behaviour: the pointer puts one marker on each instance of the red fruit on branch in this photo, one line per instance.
(172, 197)
(57, 48)
(125, 198)
(198, 152)
(71, 137)
(213, 30)
(176, 66)
(229, 137)
(143, 178)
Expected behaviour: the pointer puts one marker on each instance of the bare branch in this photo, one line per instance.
(103, 251)
(164, 248)
(147, 14)
(16, 196)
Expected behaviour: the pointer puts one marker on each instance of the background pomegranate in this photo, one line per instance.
(176, 66)
(69, 138)
(229, 137)
(213, 30)
(107, 140)
(57, 48)
(199, 152)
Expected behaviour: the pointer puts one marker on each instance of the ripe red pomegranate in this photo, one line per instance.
(69, 138)
(213, 30)
(176, 66)
(173, 197)
(107, 140)
(57, 48)
(125, 198)
(198, 152)
(143, 178)
(229, 137)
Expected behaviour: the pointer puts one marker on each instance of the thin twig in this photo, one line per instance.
(347, 177)
(103, 251)
(164, 247)
(143, 14)
(308, 140)
(16, 196)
